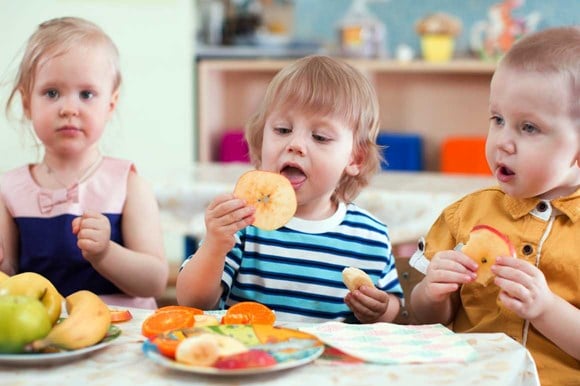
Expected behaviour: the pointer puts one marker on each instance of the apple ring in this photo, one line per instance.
(271, 194)
(484, 245)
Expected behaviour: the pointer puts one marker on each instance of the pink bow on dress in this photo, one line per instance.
(48, 199)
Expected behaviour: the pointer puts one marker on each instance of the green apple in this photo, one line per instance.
(23, 319)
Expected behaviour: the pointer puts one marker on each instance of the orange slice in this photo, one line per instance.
(249, 313)
(164, 321)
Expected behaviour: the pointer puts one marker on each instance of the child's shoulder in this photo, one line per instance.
(355, 213)
(485, 199)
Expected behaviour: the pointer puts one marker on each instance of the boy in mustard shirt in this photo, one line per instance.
(533, 149)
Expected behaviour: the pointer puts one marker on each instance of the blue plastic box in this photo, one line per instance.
(401, 151)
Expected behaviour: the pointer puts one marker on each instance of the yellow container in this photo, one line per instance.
(437, 48)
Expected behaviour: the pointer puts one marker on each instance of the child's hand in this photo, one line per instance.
(367, 303)
(523, 287)
(447, 271)
(93, 232)
(224, 216)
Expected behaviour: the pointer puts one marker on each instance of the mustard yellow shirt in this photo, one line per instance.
(525, 222)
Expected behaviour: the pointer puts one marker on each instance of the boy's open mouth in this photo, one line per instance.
(294, 174)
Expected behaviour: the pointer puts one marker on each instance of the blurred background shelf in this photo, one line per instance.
(432, 100)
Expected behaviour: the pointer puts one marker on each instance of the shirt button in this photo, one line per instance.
(542, 207)
(527, 249)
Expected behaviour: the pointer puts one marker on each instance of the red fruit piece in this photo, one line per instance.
(245, 360)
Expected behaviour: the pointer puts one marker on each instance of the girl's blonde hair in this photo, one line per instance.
(327, 87)
(551, 51)
(53, 38)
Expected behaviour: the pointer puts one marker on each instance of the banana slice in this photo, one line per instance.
(353, 278)
(204, 349)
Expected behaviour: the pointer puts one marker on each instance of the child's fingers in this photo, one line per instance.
(76, 225)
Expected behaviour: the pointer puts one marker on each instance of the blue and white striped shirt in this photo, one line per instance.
(297, 269)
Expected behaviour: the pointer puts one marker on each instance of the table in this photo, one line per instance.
(501, 362)
(408, 202)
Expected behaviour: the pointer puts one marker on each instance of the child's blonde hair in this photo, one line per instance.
(53, 38)
(325, 86)
(551, 51)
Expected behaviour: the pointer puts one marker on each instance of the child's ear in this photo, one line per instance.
(113, 102)
(354, 167)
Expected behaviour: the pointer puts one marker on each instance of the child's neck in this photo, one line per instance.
(59, 173)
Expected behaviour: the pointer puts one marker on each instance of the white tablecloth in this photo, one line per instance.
(501, 362)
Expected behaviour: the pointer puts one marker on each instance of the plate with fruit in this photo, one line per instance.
(233, 349)
(33, 331)
(241, 340)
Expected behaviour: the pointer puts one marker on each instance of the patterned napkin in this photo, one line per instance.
(387, 343)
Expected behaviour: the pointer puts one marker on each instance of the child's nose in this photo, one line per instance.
(296, 145)
(505, 141)
(69, 107)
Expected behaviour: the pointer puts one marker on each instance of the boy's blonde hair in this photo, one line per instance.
(327, 87)
(53, 38)
(551, 51)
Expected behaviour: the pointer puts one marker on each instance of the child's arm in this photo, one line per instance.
(524, 290)
(8, 241)
(435, 298)
(199, 283)
(139, 267)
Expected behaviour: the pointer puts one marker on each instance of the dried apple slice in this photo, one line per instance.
(484, 245)
(271, 194)
(354, 278)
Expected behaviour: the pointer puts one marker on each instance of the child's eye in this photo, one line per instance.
(529, 128)
(282, 130)
(53, 94)
(86, 94)
(320, 138)
(497, 120)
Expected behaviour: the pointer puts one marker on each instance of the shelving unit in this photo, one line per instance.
(434, 100)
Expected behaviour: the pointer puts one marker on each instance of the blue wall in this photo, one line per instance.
(316, 19)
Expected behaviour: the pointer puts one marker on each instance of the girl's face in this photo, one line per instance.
(533, 145)
(313, 152)
(71, 100)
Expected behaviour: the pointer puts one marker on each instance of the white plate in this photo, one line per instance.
(48, 359)
(306, 349)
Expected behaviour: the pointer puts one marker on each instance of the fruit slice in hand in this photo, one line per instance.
(485, 244)
(249, 313)
(354, 278)
(271, 194)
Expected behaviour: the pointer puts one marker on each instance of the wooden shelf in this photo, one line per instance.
(433, 100)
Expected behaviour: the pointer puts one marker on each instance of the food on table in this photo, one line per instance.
(87, 323)
(249, 313)
(206, 348)
(484, 245)
(3, 276)
(354, 278)
(248, 359)
(271, 194)
(167, 342)
(174, 307)
(37, 286)
(166, 320)
(206, 320)
(23, 319)
(119, 316)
